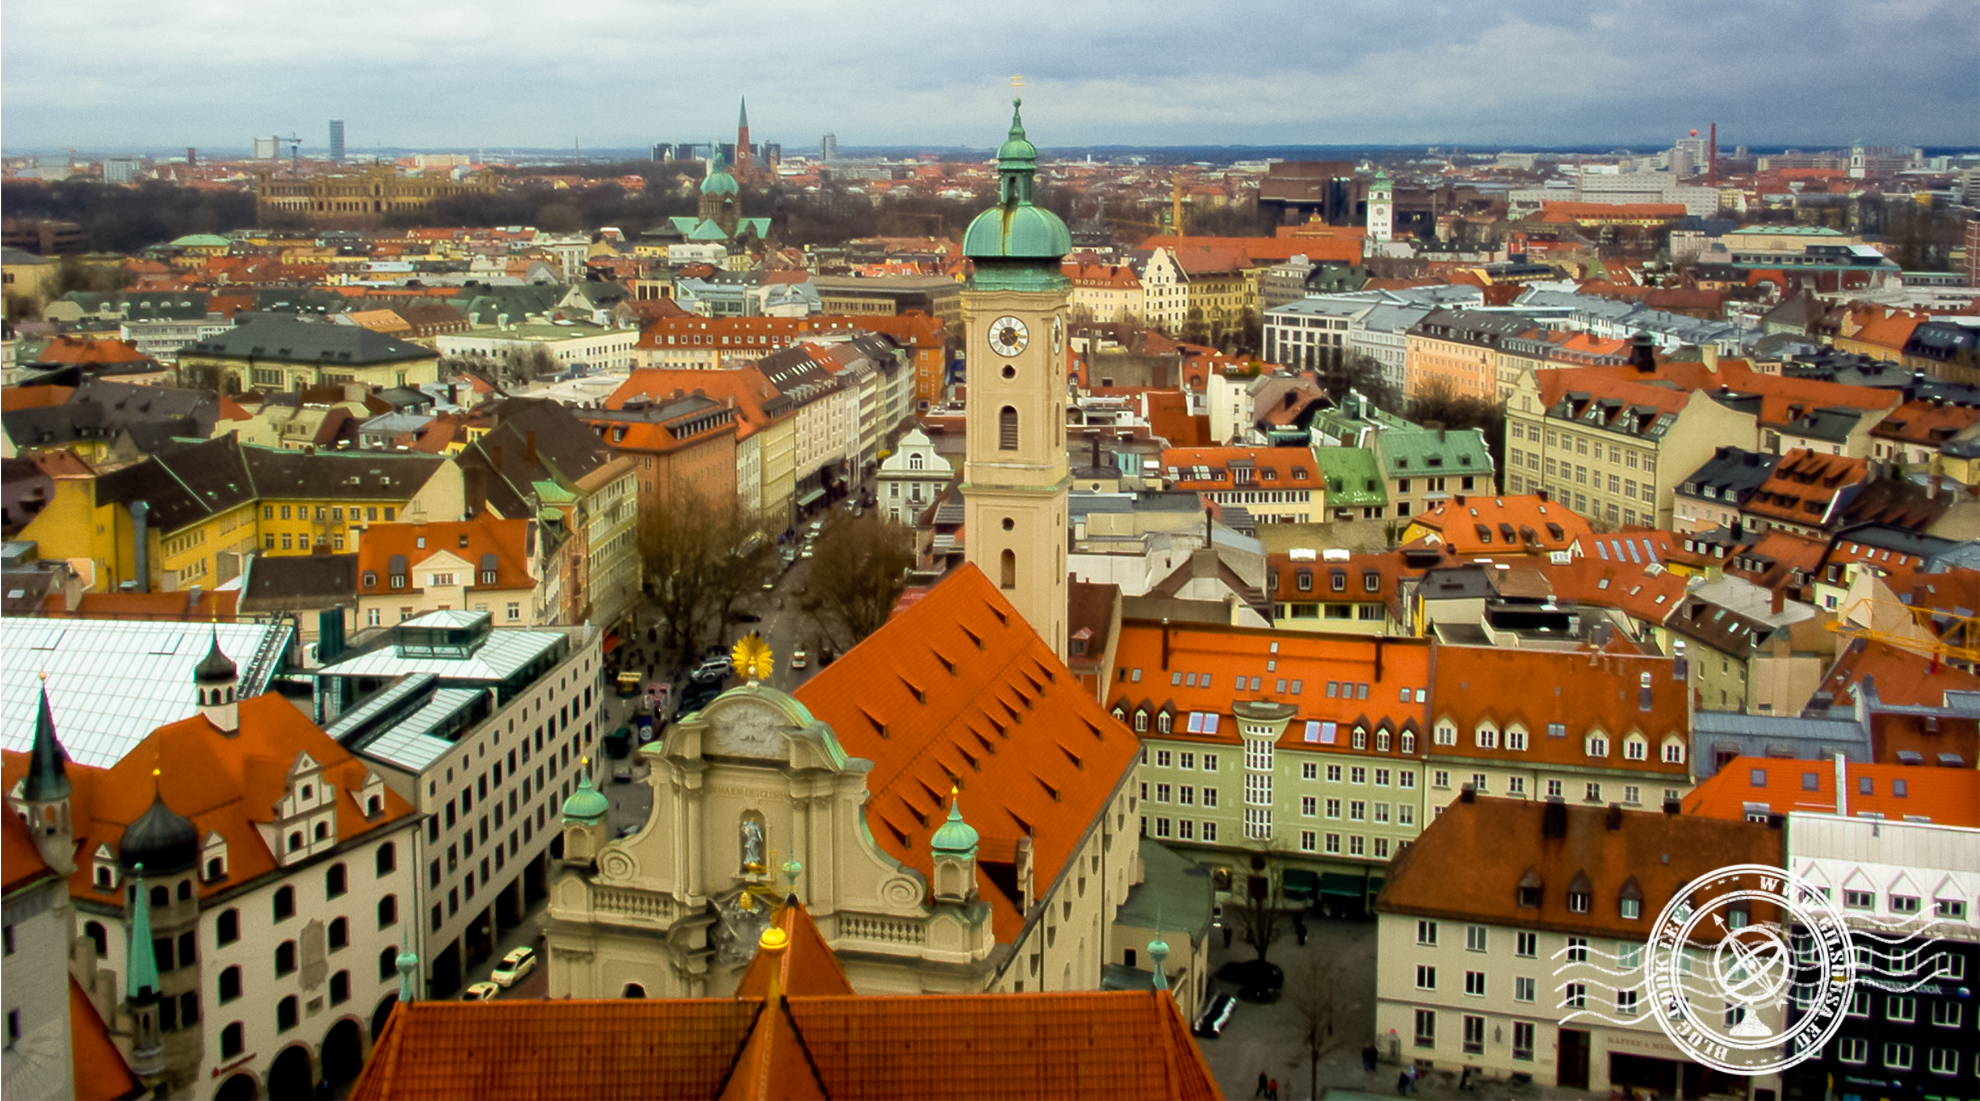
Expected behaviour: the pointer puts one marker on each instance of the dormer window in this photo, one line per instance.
(1597, 745)
(1141, 722)
(1580, 894)
(1629, 901)
(1530, 889)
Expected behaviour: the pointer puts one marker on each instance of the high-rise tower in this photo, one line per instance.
(742, 142)
(1015, 478)
(337, 140)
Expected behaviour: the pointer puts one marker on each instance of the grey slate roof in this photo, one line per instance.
(182, 482)
(292, 340)
(297, 582)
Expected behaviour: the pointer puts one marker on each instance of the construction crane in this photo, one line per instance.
(1957, 641)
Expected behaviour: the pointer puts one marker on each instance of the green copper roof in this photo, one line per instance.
(141, 971)
(1420, 452)
(47, 777)
(954, 837)
(1353, 479)
(1016, 245)
(587, 806)
(719, 182)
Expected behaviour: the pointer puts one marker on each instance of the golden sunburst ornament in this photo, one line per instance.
(752, 658)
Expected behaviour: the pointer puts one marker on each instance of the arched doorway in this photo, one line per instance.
(240, 1087)
(342, 1053)
(633, 990)
(379, 1015)
(289, 1077)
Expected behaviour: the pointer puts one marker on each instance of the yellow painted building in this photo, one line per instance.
(203, 507)
(287, 354)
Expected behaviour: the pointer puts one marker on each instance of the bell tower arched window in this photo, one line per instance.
(1007, 429)
(1007, 570)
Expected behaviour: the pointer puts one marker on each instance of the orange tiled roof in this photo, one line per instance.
(184, 606)
(101, 1072)
(1468, 863)
(467, 540)
(1646, 592)
(1900, 676)
(1927, 423)
(20, 861)
(90, 353)
(1882, 327)
(1553, 526)
(1589, 691)
(1946, 796)
(1274, 467)
(33, 397)
(794, 1030)
(1342, 681)
(745, 385)
(1803, 487)
(225, 785)
(958, 689)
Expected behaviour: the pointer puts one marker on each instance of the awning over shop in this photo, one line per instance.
(611, 641)
(810, 497)
(1343, 886)
(1299, 884)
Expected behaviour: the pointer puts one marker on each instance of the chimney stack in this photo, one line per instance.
(1643, 354)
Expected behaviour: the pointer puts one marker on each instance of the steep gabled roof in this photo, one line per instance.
(1579, 690)
(959, 690)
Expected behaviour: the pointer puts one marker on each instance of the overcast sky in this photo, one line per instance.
(111, 74)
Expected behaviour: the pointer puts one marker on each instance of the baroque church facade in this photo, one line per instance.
(953, 810)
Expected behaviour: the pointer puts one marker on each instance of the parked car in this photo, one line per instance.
(714, 669)
(518, 963)
(1216, 1014)
(799, 659)
(480, 992)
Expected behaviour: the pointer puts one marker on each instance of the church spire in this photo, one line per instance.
(47, 776)
(742, 117)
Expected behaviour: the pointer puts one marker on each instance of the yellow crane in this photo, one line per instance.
(1959, 641)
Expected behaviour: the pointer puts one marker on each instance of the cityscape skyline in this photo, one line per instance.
(1503, 74)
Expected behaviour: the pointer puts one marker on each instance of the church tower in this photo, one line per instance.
(743, 162)
(1015, 477)
(1381, 208)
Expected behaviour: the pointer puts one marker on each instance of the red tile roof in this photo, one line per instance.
(225, 785)
(795, 1029)
(1468, 863)
(1946, 796)
(101, 1073)
(1581, 691)
(1803, 487)
(959, 690)
(1538, 526)
(20, 860)
(1901, 677)
(1338, 681)
(1273, 467)
(181, 606)
(467, 540)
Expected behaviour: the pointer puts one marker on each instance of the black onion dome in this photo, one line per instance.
(161, 840)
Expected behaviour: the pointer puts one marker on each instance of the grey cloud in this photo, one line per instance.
(625, 73)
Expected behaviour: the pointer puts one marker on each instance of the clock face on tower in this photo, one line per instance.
(1008, 336)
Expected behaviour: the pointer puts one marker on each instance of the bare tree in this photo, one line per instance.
(857, 573)
(702, 559)
(1261, 901)
(1311, 993)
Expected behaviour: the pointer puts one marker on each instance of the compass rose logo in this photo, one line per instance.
(1730, 952)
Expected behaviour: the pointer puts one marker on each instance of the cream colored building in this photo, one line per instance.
(753, 782)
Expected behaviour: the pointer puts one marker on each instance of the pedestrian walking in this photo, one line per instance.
(1412, 1078)
(1272, 1090)
(1402, 1083)
(1368, 1055)
(1261, 1085)
(1464, 1079)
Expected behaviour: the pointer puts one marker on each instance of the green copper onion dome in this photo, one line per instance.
(719, 182)
(1015, 245)
(954, 837)
(587, 806)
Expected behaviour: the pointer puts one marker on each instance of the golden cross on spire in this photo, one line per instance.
(1017, 81)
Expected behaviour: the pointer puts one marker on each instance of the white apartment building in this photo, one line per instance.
(1512, 941)
(605, 349)
(483, 729)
